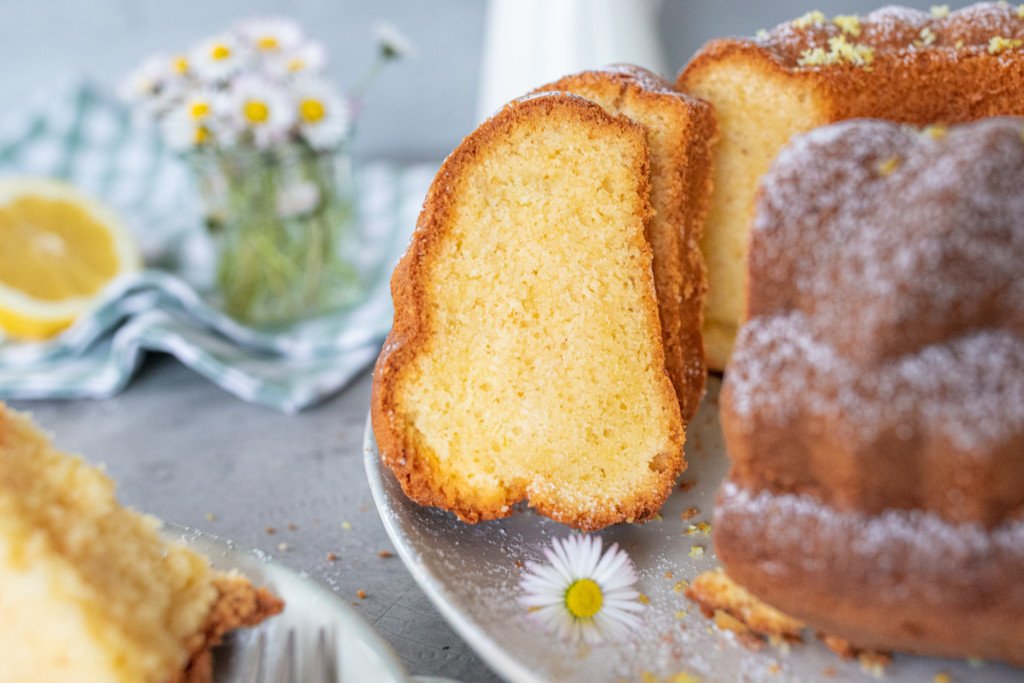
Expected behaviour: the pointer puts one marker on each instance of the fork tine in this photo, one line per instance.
(286, 668)
(324, 666)
(254, 664)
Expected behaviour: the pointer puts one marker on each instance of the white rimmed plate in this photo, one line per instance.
(471, 573)
(361, 654)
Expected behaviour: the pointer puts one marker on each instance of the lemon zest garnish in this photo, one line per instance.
(1020, 11)
(680, 586)
(583, 598)
(848, 23)
(959, 45)
(812, 17)
(939, 11)
(761, 34)
(888, 167)
(942, 677)
(927, 37)
(680, 614)
(841, 51)
(937, 131)
(998, 44)
(696, 551)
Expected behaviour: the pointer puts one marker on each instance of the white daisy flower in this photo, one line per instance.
(308, 58)
(392, 43)
(193, 122)
(268, 35)
(147, 79)
(583, 594)
(324, 115)
(217, 58)
(262, 108)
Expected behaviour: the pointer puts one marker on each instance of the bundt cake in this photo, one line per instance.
(680, 132)
(895, 63)
(873, 409)
(88, 590)
(526, 358)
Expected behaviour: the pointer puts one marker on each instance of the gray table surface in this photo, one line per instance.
(188, 452)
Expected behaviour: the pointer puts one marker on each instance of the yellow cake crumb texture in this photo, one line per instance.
(91, 593)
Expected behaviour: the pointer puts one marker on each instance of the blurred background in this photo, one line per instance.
(419, 109)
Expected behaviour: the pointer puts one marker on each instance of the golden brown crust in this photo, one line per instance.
(238, 604)
(960, 75)
(680, 132)
(413, 464)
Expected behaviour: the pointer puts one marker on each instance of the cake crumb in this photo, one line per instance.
(292, 527)
(829, 671)
(346, 525)
(668, 575)
(361, 594)
(282, 546)
(689, 513)
(331, 557)
(874, 663)
(685, 486)
(774, 668)
(271, 531)
(385, 554)
(942, 677)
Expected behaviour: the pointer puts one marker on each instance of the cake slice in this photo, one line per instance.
(88, 589)
(526, 357)
(895, 63)
(680, 133)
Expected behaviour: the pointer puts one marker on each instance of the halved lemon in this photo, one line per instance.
(59, 249)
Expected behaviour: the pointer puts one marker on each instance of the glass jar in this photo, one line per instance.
(281, 221)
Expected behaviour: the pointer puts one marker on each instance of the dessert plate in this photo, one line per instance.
(471, 573)
(361, 654)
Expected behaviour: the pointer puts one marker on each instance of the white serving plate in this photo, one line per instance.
(361, 655)
(471, 573)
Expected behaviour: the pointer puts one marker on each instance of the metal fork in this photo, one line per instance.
(321, 669)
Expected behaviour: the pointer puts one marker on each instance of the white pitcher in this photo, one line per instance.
(528, 43)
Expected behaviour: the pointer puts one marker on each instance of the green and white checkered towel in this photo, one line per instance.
(83, 134)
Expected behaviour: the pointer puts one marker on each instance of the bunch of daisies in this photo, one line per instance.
(261, 84)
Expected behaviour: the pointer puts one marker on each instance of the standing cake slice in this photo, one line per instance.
(680, 133)
(526, 357)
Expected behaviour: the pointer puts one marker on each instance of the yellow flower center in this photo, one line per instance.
(180, 65)
(199, 110)
(583, 599)
(296, 64)
(311, 110)
(268, 43)
(220, 52)
(202, 135)
(256, 111)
